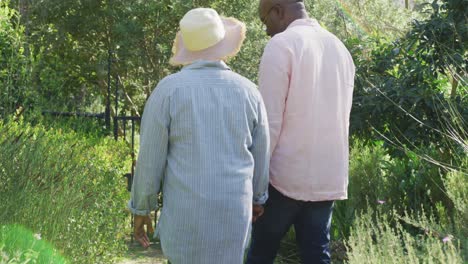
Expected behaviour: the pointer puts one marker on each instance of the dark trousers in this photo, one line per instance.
(311, 222)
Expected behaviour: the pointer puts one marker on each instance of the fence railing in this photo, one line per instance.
(123, 122)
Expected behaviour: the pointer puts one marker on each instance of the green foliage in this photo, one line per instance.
(85, 127)
(402, 183)
(71, 39)
(401, 87)
(443, 39)
(19, 245)
(66, 187)
(368, 171)
(375, 240)
(425, 179)
(14, 64)
(357, 18)
(457, 189)
(456, 184)
(392, 186)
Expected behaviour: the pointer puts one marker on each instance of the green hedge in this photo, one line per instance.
(66, 187)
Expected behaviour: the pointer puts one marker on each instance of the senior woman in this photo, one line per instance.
(204, 136)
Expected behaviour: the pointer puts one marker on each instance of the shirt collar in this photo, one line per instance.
(204, 64)
(304, 22)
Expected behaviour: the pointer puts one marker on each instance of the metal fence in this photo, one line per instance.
(120, 122)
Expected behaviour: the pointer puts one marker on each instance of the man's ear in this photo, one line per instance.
(281, 12)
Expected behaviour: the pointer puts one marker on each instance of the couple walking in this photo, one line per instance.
(227, 154)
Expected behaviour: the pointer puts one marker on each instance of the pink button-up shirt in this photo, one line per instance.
(306, 80)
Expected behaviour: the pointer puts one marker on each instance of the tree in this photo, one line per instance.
(400, 85)
(14, 64)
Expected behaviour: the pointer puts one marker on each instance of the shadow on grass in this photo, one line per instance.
(138, 255)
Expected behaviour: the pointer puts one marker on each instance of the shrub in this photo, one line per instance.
(369, 183)
(14, 64)
(66, 187)
(377, 238)
(378, 181)
(456, 185)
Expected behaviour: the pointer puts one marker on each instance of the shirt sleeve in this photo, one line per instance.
(151, 162)
(261, 153)
(274, 77)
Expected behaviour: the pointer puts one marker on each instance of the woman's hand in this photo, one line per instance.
(257, 211)
(139, 231)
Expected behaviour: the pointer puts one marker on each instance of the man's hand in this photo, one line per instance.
(139, 232)
(257, 211)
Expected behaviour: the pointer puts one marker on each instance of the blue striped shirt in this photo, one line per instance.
(204, 134)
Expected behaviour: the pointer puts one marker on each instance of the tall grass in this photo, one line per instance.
(66, 187)
(376, 238)
(422, 215)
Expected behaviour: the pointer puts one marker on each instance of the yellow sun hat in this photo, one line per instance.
(205, 35)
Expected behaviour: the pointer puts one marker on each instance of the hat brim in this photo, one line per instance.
(226, 48)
